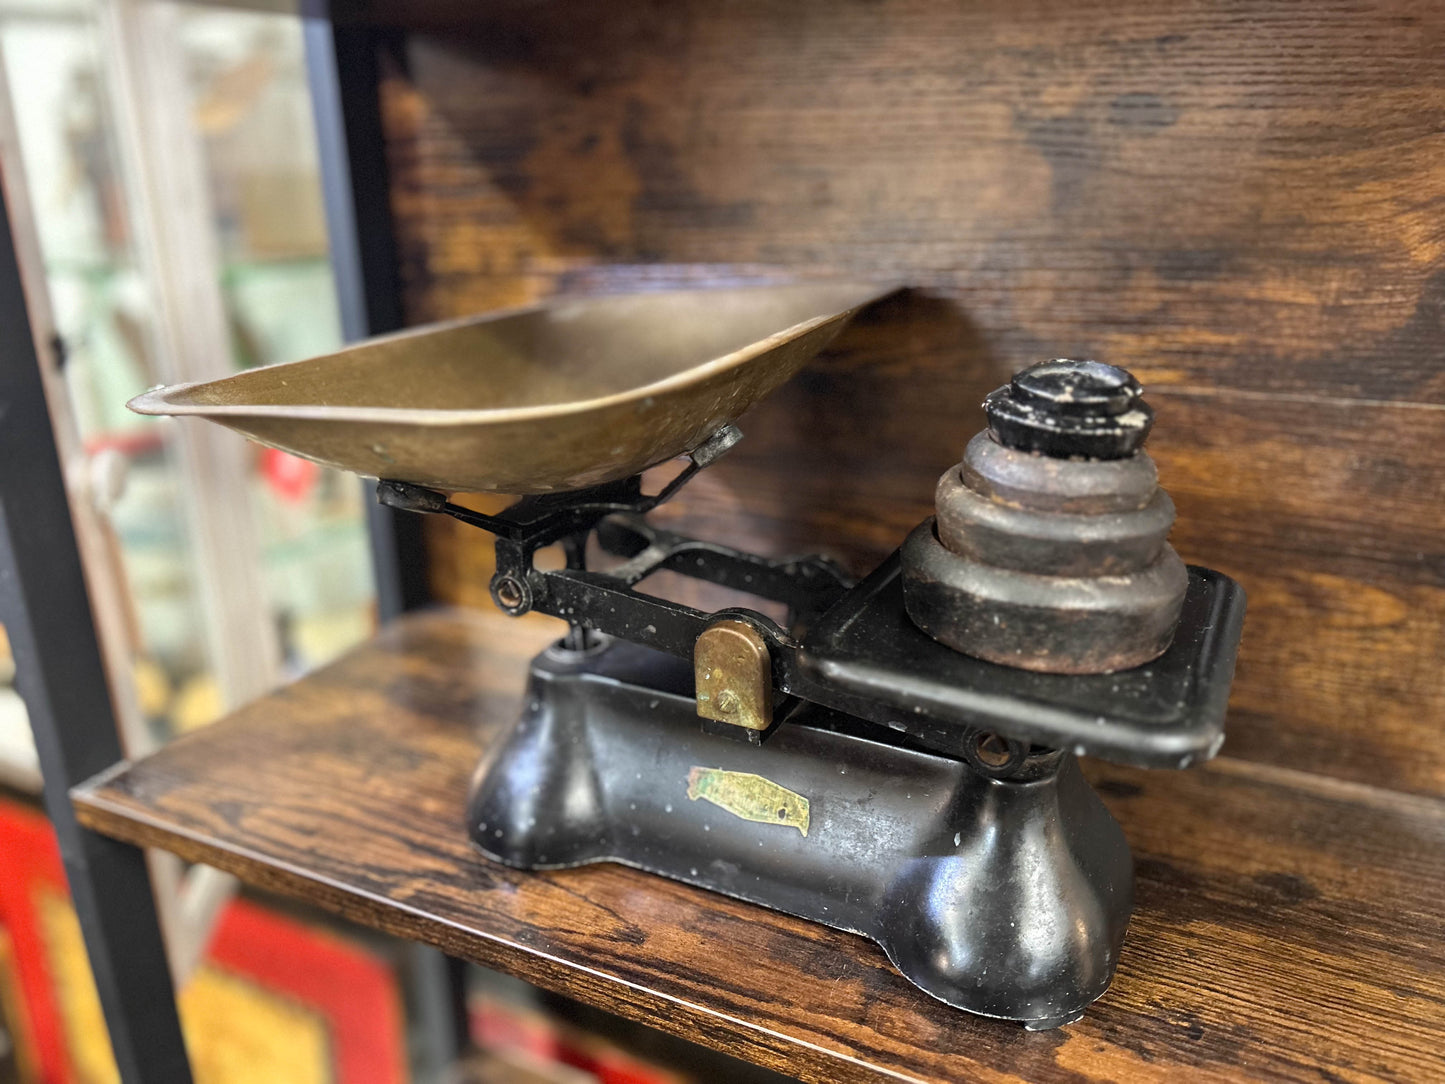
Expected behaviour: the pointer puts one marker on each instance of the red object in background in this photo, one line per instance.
(30, 862)
(503, 1027)
(351, 992)
(289, 476)
(129, 442)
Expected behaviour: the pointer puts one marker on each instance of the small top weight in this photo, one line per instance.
(1069, 408)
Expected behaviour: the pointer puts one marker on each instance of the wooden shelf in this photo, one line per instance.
(1286, 926)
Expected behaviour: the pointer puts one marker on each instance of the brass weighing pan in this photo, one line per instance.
(552, 397)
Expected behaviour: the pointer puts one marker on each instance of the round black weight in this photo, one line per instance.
(1070, 408)
(1044, 484)
(1050, 543)
(1052, 624)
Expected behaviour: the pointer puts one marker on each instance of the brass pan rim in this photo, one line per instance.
(162, 400)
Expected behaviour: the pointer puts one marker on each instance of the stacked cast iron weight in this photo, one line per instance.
(1047, 551)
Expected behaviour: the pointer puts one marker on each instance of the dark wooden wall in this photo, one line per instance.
(1242, 202)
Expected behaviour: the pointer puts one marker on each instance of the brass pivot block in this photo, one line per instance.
(734, 675)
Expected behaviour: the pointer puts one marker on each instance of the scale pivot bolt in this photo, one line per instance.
(511, 594)
(727, 701)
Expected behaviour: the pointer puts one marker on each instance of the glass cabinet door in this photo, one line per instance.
(161, 174)
(170, 165)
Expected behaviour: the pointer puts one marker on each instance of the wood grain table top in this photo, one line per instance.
(1287, 927)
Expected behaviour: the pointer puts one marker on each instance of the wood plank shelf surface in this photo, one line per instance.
(1287, 927)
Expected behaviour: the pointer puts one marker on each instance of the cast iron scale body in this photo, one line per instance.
(867, 776)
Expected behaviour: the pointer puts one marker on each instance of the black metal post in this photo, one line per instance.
(61, 677)
(343, 69)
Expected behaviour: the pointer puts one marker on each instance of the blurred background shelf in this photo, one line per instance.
(1275, 910)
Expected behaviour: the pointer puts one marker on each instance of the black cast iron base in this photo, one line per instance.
(1005, 898)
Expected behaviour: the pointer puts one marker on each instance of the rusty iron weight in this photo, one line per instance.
(1048, 549)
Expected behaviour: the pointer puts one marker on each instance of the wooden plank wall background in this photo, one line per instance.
(1243, 202)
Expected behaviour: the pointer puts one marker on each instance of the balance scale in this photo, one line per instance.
(897, 759)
